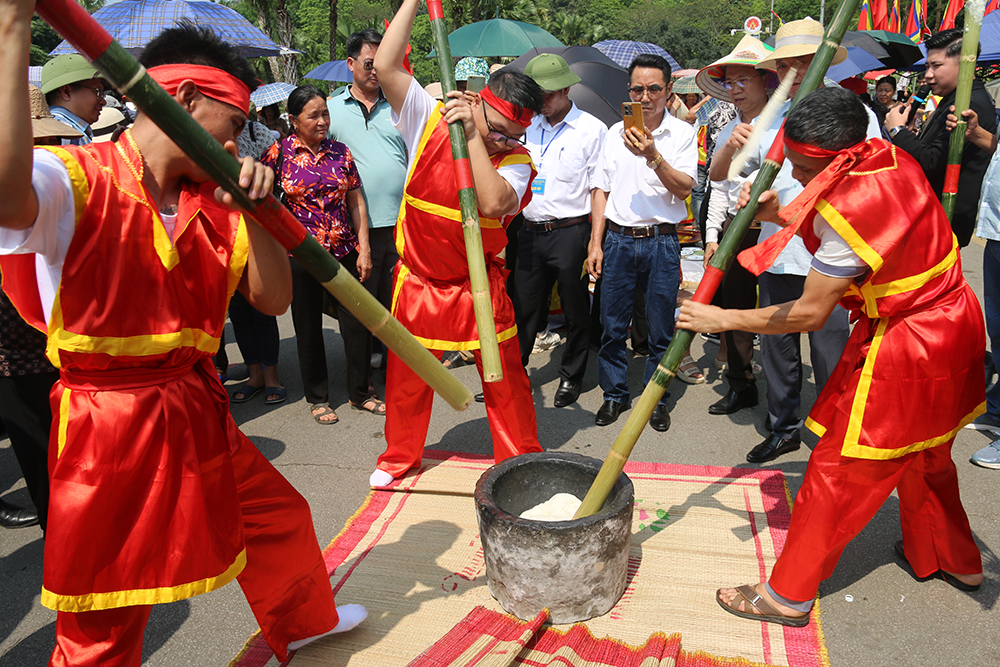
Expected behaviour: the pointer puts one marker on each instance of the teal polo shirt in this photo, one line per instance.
(379, 153)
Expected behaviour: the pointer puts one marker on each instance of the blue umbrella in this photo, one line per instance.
(335, 70)
(623, 52)
(272, 93)
(858, 60)
(989, 42)
(135, 22)
(35, 75)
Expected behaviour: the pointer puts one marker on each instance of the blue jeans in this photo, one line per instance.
(991, 304)
(652, 265)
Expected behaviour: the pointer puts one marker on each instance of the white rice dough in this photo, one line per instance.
(560, 507)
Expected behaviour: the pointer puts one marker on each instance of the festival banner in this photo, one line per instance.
(916, 21)
(951, 12)
(865, 21)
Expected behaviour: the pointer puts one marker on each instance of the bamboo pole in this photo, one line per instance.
(478, 281)
(73, 22)
(667, 368)
(974, 10)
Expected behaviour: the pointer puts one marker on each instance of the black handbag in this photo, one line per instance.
(279, 192)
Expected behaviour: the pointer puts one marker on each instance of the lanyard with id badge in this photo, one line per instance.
(538, 185)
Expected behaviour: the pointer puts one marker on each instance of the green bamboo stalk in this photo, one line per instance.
(475, 254)
(667, 368)
(129, 77)
(974, 10)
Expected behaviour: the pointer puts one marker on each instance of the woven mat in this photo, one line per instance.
(413, 557)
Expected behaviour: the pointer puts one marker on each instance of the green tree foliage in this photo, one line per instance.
(43, 40)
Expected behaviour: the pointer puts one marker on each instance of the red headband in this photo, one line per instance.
(813, 151)
(211, 82)
(519, 115)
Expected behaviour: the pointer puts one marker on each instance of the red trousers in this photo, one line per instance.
(840, 495)
(285, 580)
(408, 399)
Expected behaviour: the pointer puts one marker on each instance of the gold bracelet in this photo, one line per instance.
(655, 162)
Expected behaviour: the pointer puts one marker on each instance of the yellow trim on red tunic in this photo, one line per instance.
(435, 344)
(917, 281)
(238, 260)
(63, 421)
(864, 452)
(842, 227)
(447, 213)
(853, 435)
(55, 324)
(77, 179)
(815, 427)
(134, 346)
(142, 596)
(404, 271)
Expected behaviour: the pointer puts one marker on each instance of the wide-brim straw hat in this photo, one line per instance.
(749, 52)
(799, 38)
(105, 126)
(43, 123)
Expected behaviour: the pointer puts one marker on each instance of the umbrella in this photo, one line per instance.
(603, 86)
(135, 22)
(334, 70)
(35, 75)
(989, 42)
(624, 53)
(497, 38)
(681, 73)
(902, 51)
(858, 60)
(685, 85)
(272, 93)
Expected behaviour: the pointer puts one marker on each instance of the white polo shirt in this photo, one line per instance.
(637, 197)
(566, 156)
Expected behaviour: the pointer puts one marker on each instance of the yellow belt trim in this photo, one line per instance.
(917, 281)
(447, 213)
(435, 344)
(134, 346)
(142, 596)
(63, 421)
(864, 452)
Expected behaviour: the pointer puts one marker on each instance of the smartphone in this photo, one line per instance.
(475, 83)
(632, 115)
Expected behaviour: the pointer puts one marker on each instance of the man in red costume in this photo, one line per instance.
(900, 275)
(431, 292)
(122, 253)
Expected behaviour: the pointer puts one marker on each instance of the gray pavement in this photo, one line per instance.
(893, 620)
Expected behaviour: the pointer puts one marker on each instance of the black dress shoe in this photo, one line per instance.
(567, 393)
(16, 517)
(480, 397)
(773, 447)
(733, 401)
(660, 421)
(609, 412)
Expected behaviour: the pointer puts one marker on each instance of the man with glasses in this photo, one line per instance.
(565, 145)
(74, 93)
(431, 295)
(360, 117)
(642, 181)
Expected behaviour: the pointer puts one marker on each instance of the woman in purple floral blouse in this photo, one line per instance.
(324, 192)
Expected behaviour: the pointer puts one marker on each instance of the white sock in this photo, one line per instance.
(351, 616)
(380, 478)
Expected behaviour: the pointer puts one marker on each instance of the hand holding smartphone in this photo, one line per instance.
(632, 116)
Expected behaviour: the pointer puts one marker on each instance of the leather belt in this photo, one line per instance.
(552, 225)
(644, 231)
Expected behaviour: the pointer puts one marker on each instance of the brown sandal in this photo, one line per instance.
(324, 409)
(374, 409)
(768, 613)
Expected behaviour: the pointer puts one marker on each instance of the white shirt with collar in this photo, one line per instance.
(566, 156)
(637, 197)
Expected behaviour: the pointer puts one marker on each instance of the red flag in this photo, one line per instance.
(951, 13)
(993, 4)
(916, 21)
(406, 56)
(894, 17)
(880, 15)
(865, 20)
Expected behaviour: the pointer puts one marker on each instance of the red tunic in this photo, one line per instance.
(432, 296)
(919, 333)
(144, 505)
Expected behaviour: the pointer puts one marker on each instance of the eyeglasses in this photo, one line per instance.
(742, 83)
(367, 65)
(654, 90)
(500, 137)
(97, 91)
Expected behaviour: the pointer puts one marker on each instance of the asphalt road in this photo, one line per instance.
(893, 619)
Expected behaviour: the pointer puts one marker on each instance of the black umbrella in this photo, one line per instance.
(603, 86)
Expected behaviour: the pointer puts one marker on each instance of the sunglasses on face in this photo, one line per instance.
(500, 137)
(654, 90)
(367, 65)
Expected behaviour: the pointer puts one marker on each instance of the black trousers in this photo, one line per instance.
(307, 319)
(739, 290)
(26, 412)
(384, 257)
(542, 259)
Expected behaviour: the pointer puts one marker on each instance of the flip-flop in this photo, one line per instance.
(280, 391)
(248, 392)
(374, 409)
(940, 574)
(325, 409)
(753, 599)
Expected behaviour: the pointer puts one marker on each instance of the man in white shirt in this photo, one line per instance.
(642, 182)
(565, 145)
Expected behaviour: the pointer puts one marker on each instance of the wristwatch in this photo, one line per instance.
(655, 162)
(894, 131)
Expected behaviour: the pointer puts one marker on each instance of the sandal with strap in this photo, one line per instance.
(324, 410)
(689, 372)
(377, 406)
(768, 614)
